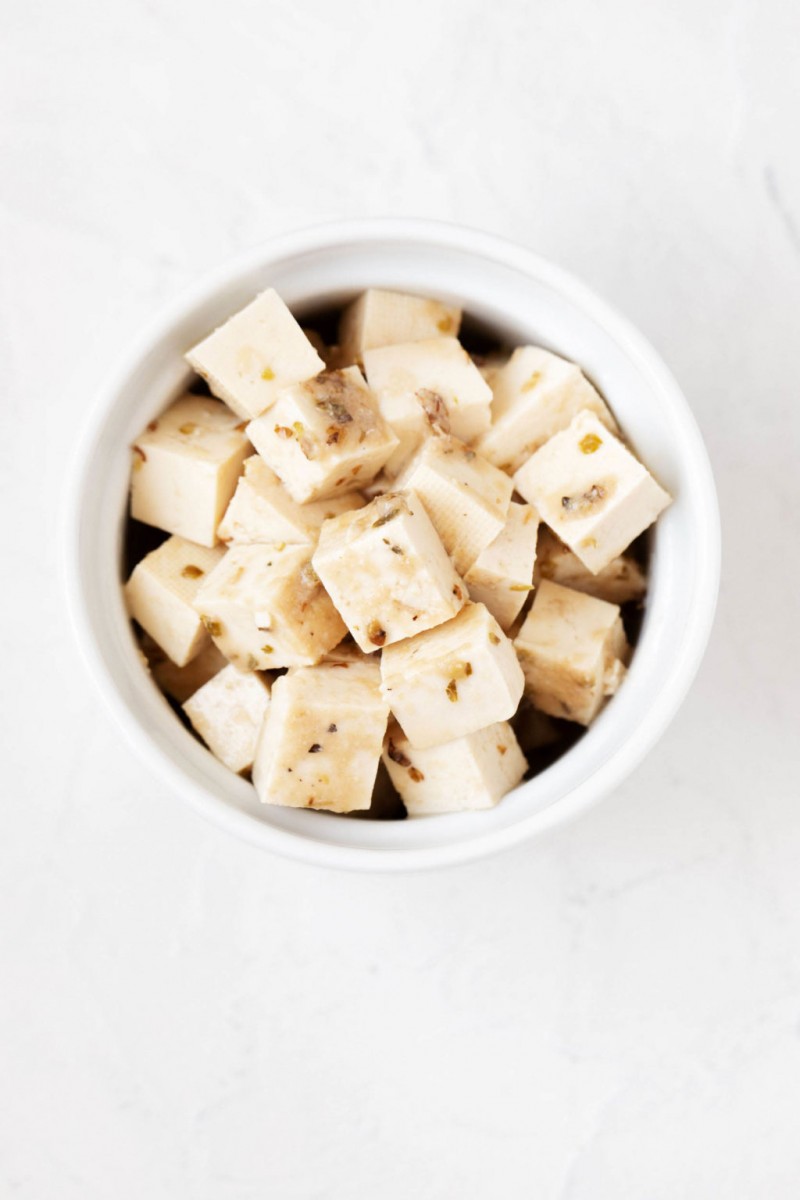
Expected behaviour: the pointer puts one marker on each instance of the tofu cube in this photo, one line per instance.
(161, 591)
(324, 437)
(536, 394)
(452, 680)
(502, 575)
(470, 773)
(228, 712)
(265, 607)
(465, 496)
(591, 491)
(622, 581)
(182, 682)
(254, 354)
(387, 572)
(322, 739)
(381, 318)
(419, 384)
(185, 467)
(573, 650)
(263, 511)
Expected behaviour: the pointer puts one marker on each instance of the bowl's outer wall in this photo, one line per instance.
(527, 300)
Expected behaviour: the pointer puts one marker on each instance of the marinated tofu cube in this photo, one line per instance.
(185, 467)
(465, 496)
(381, 318)
(622, 581)
(420, 385)
(502, 575)
(573, 651)
(182, 682)
(228, 712)
(472, 772)
(324, 437)
(265, 608)
(387, 572)
(536, 394)
(254, 354)
(161, 592)
(322, 739)
(263, 511)
(452, 680)
(591, 491)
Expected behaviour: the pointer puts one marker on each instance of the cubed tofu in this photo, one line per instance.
(258, 351)
(502, 575)
(452, 680)
(324, 437)
(387, 571)
(573, 651)
(322, 739)
(228, 712)
(419, 383)
(265, 608)
(185, 467)
(182, 682)
(161, 591)
(536, 394)
(591, 491)
(381, 318)
(263, 511)
(465, 496)
(622, 581)
(470, 773)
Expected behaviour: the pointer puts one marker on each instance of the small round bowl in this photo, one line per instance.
(525, 299)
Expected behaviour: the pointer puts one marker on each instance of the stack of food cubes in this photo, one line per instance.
(385, 550)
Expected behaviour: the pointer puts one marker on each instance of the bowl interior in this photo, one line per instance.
(524, 300)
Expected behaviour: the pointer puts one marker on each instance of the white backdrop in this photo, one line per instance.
(609, 1014)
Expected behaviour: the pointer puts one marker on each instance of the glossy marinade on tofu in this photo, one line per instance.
(324, 437)
(387, 571)
(412, 379)
(389, 566)
(265, 608)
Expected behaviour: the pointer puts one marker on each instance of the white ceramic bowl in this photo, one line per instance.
(528, 300)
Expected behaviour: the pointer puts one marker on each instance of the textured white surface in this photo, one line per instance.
(613, 1012)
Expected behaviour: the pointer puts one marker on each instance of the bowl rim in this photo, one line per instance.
(665, 703)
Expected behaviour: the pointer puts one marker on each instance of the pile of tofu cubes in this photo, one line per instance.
(383, 551)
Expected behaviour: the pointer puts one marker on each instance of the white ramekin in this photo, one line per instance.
(531, 301)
